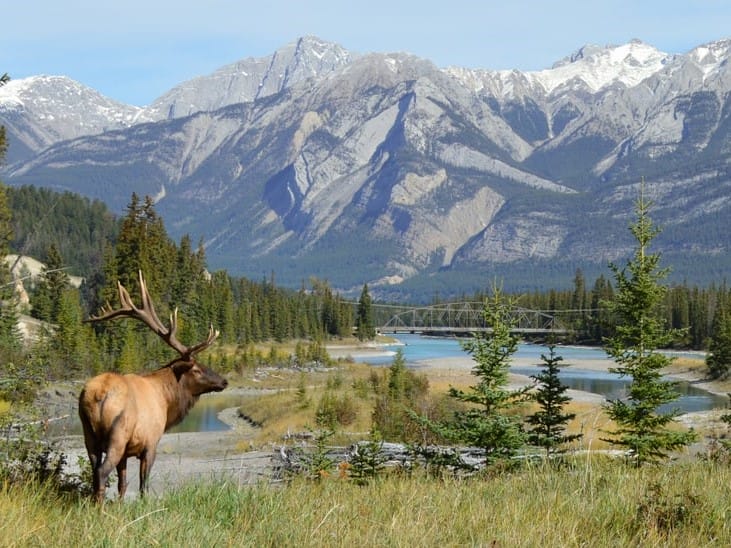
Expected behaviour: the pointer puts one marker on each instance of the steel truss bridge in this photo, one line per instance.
(465, 317)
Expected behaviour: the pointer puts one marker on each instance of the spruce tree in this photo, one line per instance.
(402, 392)
(640, 331)
(550, 421)
(489, 421)
(719, 358)
(364, 317)
(53, 283)
(10, 336)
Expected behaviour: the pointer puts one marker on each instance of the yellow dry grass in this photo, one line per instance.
(687, 365)
(291, 409)
(287, 411)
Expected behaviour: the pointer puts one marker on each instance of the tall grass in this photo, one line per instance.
(593, 502)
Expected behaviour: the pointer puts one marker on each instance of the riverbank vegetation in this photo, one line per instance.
(354, 400)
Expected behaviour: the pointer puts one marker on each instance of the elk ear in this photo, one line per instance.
(181, 368)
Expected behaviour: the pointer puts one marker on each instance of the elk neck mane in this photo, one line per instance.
(179, 400)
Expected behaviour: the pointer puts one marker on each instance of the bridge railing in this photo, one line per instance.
(468, 316)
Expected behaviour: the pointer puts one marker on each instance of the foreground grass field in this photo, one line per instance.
(593, 502)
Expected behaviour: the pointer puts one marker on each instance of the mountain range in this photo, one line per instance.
(384, 168)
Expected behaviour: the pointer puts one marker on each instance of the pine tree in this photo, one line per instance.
(488, 421)
(640, 331)
(549, 422)
(143, 244)
(132, 355)
(70, 342)
(364, 316)
(367, 460)
(600, 322)
(719, 358)
(579, 301)
(402, 392)
(578, 297)
(336, 317)
(10, 337)
(223, 315)
(51, 287)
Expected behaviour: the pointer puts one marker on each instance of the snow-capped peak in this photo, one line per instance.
(17, 92)
(52, 95)
(598, 67)
(710, 57)
(11, 93)
(57, 108)
(591, 68)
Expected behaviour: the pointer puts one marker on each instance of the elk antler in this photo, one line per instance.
(148, 316)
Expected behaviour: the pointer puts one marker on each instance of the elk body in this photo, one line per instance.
(126, 415)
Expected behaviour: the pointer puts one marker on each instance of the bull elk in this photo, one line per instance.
(126, 415)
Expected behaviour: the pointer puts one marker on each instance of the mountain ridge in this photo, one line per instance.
(401, 172)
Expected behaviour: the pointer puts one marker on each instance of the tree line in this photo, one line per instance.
(584, 309)
(82, 231)
(106, 250)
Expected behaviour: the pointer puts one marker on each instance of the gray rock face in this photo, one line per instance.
(384, 167)
(252, 79)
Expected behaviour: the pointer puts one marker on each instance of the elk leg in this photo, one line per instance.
(95, 452)
(102, 472)
(147, 459)
(95, 459)
(122, 477)
(99, 478)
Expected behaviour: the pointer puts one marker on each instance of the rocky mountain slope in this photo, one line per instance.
(386, 169)
(40, 111)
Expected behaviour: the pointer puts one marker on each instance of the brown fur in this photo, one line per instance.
(126, 415)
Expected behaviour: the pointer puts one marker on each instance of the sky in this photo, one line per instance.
(134, 51)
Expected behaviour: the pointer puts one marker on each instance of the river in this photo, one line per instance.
(204, 416)
(417, 349)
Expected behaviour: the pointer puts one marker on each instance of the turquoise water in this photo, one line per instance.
(417, 348)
